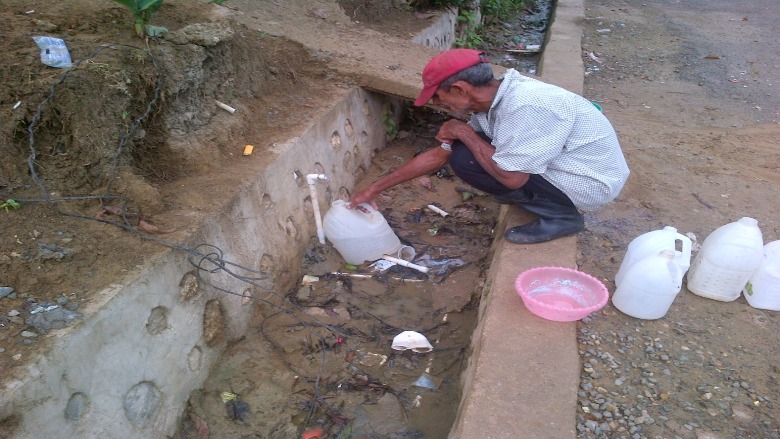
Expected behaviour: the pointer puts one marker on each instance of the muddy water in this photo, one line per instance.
(502, 38)
(322, 357)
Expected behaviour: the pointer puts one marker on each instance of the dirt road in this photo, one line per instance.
(691, 88)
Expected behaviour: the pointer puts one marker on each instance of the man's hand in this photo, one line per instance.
(453, 130)
(364, 196)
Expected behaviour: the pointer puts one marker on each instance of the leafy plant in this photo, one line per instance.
(10, 204)
(470, 30)
(391, 126)
(142, 12)
(502, 8)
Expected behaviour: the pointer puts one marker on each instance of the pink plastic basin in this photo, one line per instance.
(560, 294)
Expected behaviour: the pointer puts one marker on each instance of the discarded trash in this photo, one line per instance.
(309, 279)
(381, 265)
(54, 52)
(411, 340)
(437, 210)
(225, 107)
(42, 309)
(428, 382)
(603, 31)
(248, 149)
(315, 433)
(405, 263)
(227, 396)
(595, 58)
(16, 105)
(407, 253)
(238, 411)
(444, 265)
(371, 359)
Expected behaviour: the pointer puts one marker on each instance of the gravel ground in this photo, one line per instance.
(691, 89)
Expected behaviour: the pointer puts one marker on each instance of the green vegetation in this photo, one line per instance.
(470, 34)
(391, 126)
(502, 8)
(142, 11)
(9, 204)
(471, 21)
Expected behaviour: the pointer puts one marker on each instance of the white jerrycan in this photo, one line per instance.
(360, 234)
(649, 286)
(650, 244)
(726, 260)
(763, 289)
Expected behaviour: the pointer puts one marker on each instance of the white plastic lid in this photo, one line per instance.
(748, 221)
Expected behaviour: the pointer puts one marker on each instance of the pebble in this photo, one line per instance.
(28, 334)
(5, 291)
(13, 313)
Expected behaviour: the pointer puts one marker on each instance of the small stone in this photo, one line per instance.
(28, 334)
(5, 291)
(13, 313)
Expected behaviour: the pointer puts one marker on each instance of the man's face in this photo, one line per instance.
(453, 100)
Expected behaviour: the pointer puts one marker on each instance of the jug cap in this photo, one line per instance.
(748, 221)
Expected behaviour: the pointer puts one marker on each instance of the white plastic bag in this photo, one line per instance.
(54, 52)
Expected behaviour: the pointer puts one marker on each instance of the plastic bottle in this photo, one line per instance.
(763, 289)
(650, 243)
(361, 234)
(726, 260)
(650, 286)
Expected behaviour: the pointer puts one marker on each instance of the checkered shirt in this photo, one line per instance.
(539, 128)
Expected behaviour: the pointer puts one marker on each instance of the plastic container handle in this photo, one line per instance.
(686, 248)
(364, 208)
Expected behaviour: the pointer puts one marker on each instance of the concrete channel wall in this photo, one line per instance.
(148, 340)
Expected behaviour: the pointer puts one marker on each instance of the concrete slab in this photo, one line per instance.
(523, 370)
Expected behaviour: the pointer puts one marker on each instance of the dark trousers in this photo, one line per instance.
(468, 169)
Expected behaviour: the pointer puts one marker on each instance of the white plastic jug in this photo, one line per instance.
(650, 244)
(361, 234)
(650, 286)
(763, 289)
(726, 260)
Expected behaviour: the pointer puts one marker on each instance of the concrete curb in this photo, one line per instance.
(523, 371)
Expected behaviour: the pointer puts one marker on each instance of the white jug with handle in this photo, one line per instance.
(649, 286)
(726, 260)
(650, 244)
(763, 289)
(360, 234)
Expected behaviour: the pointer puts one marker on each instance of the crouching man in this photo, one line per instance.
(528, 143)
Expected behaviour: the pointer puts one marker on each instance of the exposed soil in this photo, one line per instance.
(690, 88)
(135, 123)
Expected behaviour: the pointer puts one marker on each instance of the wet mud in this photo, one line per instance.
(323, 357)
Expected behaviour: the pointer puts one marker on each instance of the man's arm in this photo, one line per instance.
(483, 152)
(422, 164)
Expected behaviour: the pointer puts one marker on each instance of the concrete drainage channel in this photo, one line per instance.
(152, 339)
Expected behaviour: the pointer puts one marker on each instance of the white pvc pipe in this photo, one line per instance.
(405, 263)
(225, 106)
(437, 210)
(311, 179)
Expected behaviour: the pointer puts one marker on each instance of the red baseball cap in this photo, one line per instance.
(444, 65)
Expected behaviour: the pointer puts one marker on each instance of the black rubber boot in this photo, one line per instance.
(555, 220)
(515, 197)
